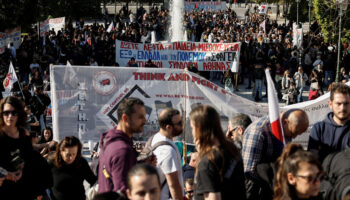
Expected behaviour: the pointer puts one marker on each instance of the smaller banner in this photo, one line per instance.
(263, 9)
(205, 5)
(55, 23)
(179, 55)
(10, 35)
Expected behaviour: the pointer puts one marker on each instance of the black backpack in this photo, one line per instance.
(337, 167)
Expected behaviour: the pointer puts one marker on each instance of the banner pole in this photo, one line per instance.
(184, 145)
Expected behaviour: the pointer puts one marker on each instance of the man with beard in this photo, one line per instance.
(236, 127)
(117, 155)
(333, 133)
(168, 157)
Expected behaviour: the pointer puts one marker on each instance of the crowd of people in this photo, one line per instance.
(246, 162)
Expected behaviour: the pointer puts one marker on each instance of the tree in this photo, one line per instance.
(326, 14)
(24, 13)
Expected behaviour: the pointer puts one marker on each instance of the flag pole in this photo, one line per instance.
(19, 84)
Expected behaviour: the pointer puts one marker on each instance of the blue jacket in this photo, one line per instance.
(117, 157)
(328, 137)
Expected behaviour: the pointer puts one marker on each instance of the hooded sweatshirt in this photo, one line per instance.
(117, 157)
(328, 137)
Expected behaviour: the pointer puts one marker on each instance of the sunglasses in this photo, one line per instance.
(189, 191)
(312, 178)
(10, 112)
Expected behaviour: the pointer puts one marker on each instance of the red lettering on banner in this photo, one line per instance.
(228, 65)
(205, 83)
(128, 45)
(171, 78)
(141, 63)
(149, 76)
(235, 47)
(214, 66)
(153, 47)
(181, 65)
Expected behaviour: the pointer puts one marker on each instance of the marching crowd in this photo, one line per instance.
(245, 162)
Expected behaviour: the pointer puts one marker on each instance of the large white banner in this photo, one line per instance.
(205, 5)
(179, 55)
(49, 24)
(85, 99)
(10, 35)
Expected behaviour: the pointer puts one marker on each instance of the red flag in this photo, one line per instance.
(274, 111)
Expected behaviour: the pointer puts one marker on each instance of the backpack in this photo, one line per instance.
(147, 151)
(337, 167)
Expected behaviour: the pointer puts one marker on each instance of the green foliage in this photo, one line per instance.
(326, 13)
(303, 11)
(24, 13)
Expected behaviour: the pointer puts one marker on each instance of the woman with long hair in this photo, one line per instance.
(44, 140)
(219, 172)
(17, 155)
(267, 171)
(69, 170)
(299, 177)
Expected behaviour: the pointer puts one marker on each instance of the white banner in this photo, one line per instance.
(85, 99)
(263, 9)
(49, 24)
(10, 35)
(297, 36)
(178, 55)
(85, 105)
(205, 5)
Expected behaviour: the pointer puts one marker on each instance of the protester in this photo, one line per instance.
(292, 94)
(337, 166)
(267, 172)
(228, 80)
(32, 121)
(236, 127)
(44, 139)
(143, 183)
(117, 155)
(168, 157)
(220, 168)
(332, 133)
(261, 146)
(189, 169)
(300, 79)
(69, 170)
(299, 177)
(189, 189)
(132, 63)
(30, 171)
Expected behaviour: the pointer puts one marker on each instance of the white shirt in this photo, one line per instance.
(168, 161)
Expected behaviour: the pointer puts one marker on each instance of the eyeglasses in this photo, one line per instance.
(10, 112)
(312, 178)
(189, 191)
(232, 130)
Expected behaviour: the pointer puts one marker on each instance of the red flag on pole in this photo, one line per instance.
(274, 111)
